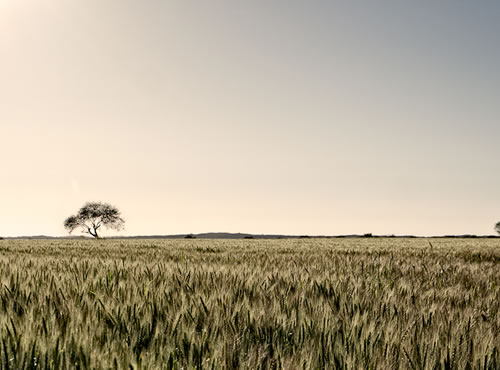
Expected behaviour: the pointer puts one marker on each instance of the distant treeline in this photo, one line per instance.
(259, 236)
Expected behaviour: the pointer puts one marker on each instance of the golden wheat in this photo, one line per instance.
(296, 303)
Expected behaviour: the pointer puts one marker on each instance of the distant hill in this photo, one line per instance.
(214, 235)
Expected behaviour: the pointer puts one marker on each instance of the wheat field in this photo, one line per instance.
(369, 303)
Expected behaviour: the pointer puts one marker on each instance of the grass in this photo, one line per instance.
(299, 303)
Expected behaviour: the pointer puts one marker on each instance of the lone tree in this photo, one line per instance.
(92, 216)
(497, 227)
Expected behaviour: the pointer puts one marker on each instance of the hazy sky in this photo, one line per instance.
(297, 117)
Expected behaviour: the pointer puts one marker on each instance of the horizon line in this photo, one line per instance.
(240, 235)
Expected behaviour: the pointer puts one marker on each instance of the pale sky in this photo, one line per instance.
(294, 117)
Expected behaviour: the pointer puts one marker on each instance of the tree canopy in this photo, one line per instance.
(92, 216)
(497, 227)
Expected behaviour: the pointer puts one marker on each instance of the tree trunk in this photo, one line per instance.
(95, 227)
(93, 233)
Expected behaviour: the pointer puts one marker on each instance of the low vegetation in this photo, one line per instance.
(298, 303)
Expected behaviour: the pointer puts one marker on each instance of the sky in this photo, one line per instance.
(291, 117)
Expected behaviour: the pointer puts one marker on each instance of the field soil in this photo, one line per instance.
(368, 303)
